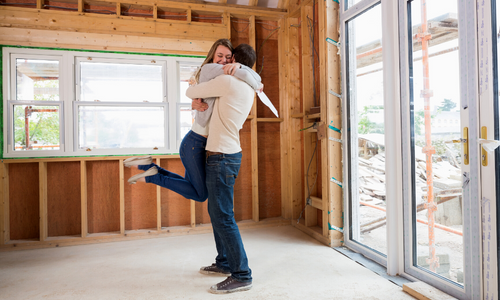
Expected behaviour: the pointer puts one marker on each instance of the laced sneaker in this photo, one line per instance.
(230, 285)
(151, 171)
(213, 270)
(138, 160)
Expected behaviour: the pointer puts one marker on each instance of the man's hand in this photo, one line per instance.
(199, 105)
(230, 69)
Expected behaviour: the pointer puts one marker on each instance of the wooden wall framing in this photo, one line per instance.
(260, 200)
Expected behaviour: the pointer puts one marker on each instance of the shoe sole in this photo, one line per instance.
(214, 273)
(240, 289)
(136, 161)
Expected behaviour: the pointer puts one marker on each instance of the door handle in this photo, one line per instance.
(466, 145)
(484, 154)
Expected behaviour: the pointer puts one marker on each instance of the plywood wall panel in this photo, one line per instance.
(175, 209)
(243, 186)
(140, 203)
(63, 198)
(269, 170)
(103, 192)
(24, 202)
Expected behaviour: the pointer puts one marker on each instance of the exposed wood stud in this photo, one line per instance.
(193, 213)
(189, 15)
(155, 11)
(39, 4)
(122, 197)
(270, 120)
(84, 194)
(80, 6)
(4, 204)
(253, 134)
(42, 173)
(118, 9)
(253, 2)
(223, 1)
(158, 202)
(227, 22)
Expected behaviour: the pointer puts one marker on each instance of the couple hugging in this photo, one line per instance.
(211, 154)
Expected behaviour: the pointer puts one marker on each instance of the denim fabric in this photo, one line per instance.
(193, 155)
(222, 170)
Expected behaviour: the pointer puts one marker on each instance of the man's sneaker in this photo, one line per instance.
(213, 270)
(138, 160)
(151, 171)
(230, 285)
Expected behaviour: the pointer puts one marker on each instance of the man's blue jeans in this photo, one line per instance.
(193, 156)
(222, 170)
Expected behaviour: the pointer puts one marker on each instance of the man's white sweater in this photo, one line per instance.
(235, 99)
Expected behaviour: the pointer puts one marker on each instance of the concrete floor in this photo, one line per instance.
(286, 264)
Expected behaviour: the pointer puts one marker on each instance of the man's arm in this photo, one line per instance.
(214, 88)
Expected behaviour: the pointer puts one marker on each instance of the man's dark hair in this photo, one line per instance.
(245, 55)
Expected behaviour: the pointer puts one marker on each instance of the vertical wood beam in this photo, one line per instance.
(39, 4)
(323, 73)
(155, 11)
(294, 98)
(84, 197)
(286, 179)
(253, 2)
(334, 113)
(189, 16)
(193, 214)
(122, 197)
(4, 204)
(42, 173)
(158, 202)
(253, 134)
(119, 9)
(226, 16)
(310, 167)
(223, 1)
(80, 6)
(283, 4)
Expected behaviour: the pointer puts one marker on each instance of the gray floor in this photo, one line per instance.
(286, 264)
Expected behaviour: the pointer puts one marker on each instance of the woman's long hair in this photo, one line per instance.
(211, 54)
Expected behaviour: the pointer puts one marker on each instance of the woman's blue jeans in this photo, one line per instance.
(222, 170)
(193, 155)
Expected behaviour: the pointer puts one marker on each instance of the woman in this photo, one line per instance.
(192, 148)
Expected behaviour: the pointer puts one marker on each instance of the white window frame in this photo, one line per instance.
(69, 96)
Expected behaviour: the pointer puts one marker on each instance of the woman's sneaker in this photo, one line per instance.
(213, 270)
(230, 285)
(138, 160)
(151, 171)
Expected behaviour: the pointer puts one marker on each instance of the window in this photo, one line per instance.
(67, 103)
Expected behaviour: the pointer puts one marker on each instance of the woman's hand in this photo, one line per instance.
(230, 69)
(198, 104)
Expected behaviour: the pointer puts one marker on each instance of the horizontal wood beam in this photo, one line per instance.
(90, 158)
(100, 41)
(316, 202)
(68, 21)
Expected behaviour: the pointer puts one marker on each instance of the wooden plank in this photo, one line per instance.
(189, 17)
(4, 204)
(80, 6)
(333, 105)
(286, 180)
(158, 202)
(193, 213)
(253, 2)
(222, 1)
(317, 202)
(119, 9)
(253, 133)
(88, 158)
(423, 291)
(283, 4)
(122, 196)
(42, 169)
(68, 21)
(83, 187)
(271, 120)
(227, 22)
(39, 4)
(310, 154)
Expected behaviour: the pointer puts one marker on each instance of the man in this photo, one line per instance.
(235, 99)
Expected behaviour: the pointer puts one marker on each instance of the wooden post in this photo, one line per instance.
(286, 205)
(119, 9)
(42, 173)
(334, 113)
(84, 197)
(39, 4)
(253, 134)
(80, 6)
(158, 203)
(193, 214)
(294, 98)
(155, 11)
(4, 204)
(253, 2)
(122, 198)
(310, 156)
(227, 21)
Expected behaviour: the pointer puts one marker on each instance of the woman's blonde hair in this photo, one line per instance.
(210, 56)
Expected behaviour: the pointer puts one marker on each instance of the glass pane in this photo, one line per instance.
(366, 105)
(186, 71)
(186, 121)
(37, 79)
(121, 82)
(111, 127)
(436, 122)
(36, 127)
(349, 3)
